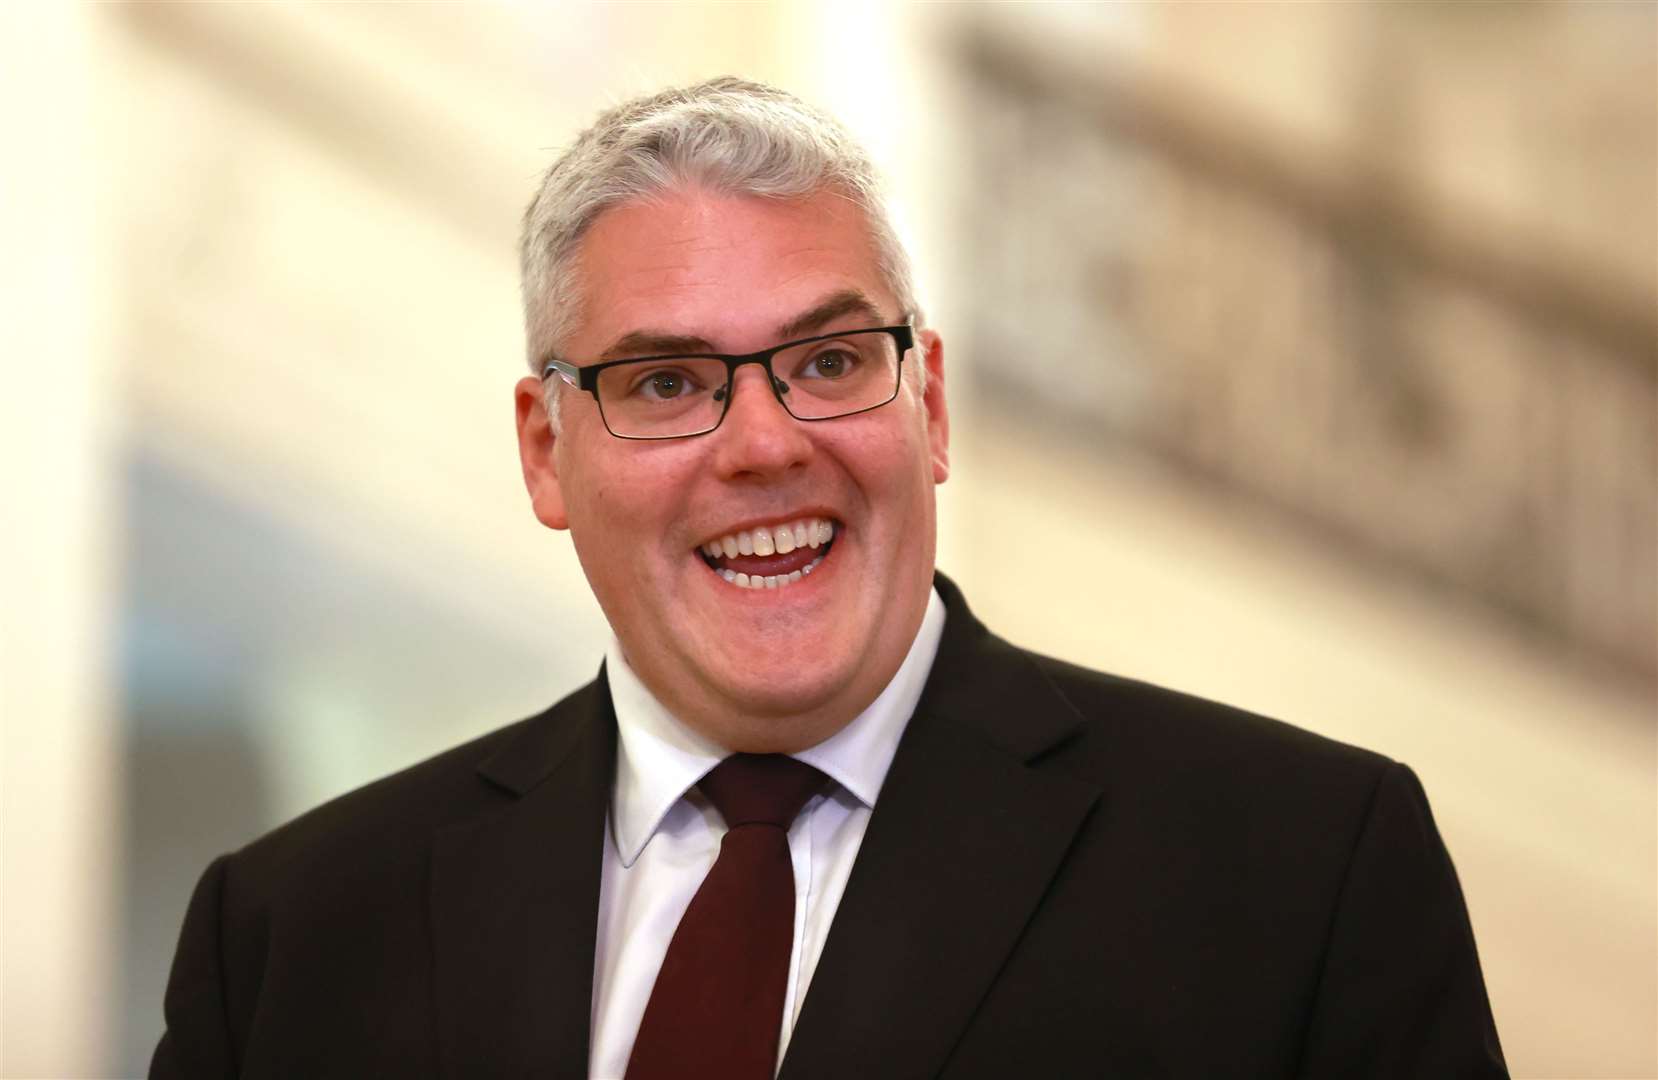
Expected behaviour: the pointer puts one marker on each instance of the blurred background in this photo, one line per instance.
(1301, 356)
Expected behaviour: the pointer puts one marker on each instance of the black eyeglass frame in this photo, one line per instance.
(587, 377)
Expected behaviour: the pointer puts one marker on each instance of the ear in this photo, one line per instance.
(536, 442)
(938, 414)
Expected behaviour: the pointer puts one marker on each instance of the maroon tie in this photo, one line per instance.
(717, 1007)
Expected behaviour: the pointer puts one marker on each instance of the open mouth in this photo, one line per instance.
(770, 556)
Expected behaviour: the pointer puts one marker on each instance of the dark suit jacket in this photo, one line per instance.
(1067, 874)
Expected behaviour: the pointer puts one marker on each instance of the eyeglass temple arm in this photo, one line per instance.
(570, 373)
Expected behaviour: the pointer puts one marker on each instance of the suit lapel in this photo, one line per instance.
(514, 897)
(964, 839)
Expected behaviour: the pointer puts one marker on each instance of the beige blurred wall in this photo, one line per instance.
(296, 299)
(59, 742)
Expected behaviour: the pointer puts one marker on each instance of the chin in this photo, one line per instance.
(781, 699)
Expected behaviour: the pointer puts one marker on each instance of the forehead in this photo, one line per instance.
(722, 267)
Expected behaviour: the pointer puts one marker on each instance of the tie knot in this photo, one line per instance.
(766, 789)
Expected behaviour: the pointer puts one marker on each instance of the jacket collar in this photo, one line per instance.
(970, 830)
(515, 900)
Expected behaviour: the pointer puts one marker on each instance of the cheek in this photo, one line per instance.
(614, 483)
(896, 474)
(609, 501)
(630, 513)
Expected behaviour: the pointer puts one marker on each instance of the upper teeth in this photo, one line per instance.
(775, 539)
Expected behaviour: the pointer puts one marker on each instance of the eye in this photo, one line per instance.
(666, 384)
(834, 362)
(663, 384)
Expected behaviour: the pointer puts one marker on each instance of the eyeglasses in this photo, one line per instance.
(815, 378)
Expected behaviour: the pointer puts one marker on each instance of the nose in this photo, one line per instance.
(758, 436)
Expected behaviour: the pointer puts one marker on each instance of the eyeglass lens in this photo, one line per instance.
(664, 398)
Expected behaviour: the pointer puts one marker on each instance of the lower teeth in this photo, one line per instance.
(769, 581)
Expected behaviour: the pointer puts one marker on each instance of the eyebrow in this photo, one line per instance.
(648, 343)
(837, 305)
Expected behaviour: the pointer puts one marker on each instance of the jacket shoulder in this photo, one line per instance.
(389, 822)
(1136, 728)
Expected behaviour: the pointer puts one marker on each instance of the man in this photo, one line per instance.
(982, 862)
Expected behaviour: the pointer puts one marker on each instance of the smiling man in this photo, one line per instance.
(834, 508)
(812, 819)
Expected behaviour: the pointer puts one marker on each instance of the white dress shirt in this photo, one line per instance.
(664, 836)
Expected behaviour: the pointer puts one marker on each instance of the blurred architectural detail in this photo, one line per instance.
(1450, 387)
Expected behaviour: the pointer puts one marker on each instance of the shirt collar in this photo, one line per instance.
(658, 758)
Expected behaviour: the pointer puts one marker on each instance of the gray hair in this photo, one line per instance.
(728, 135)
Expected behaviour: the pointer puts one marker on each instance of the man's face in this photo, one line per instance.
(770, 669)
